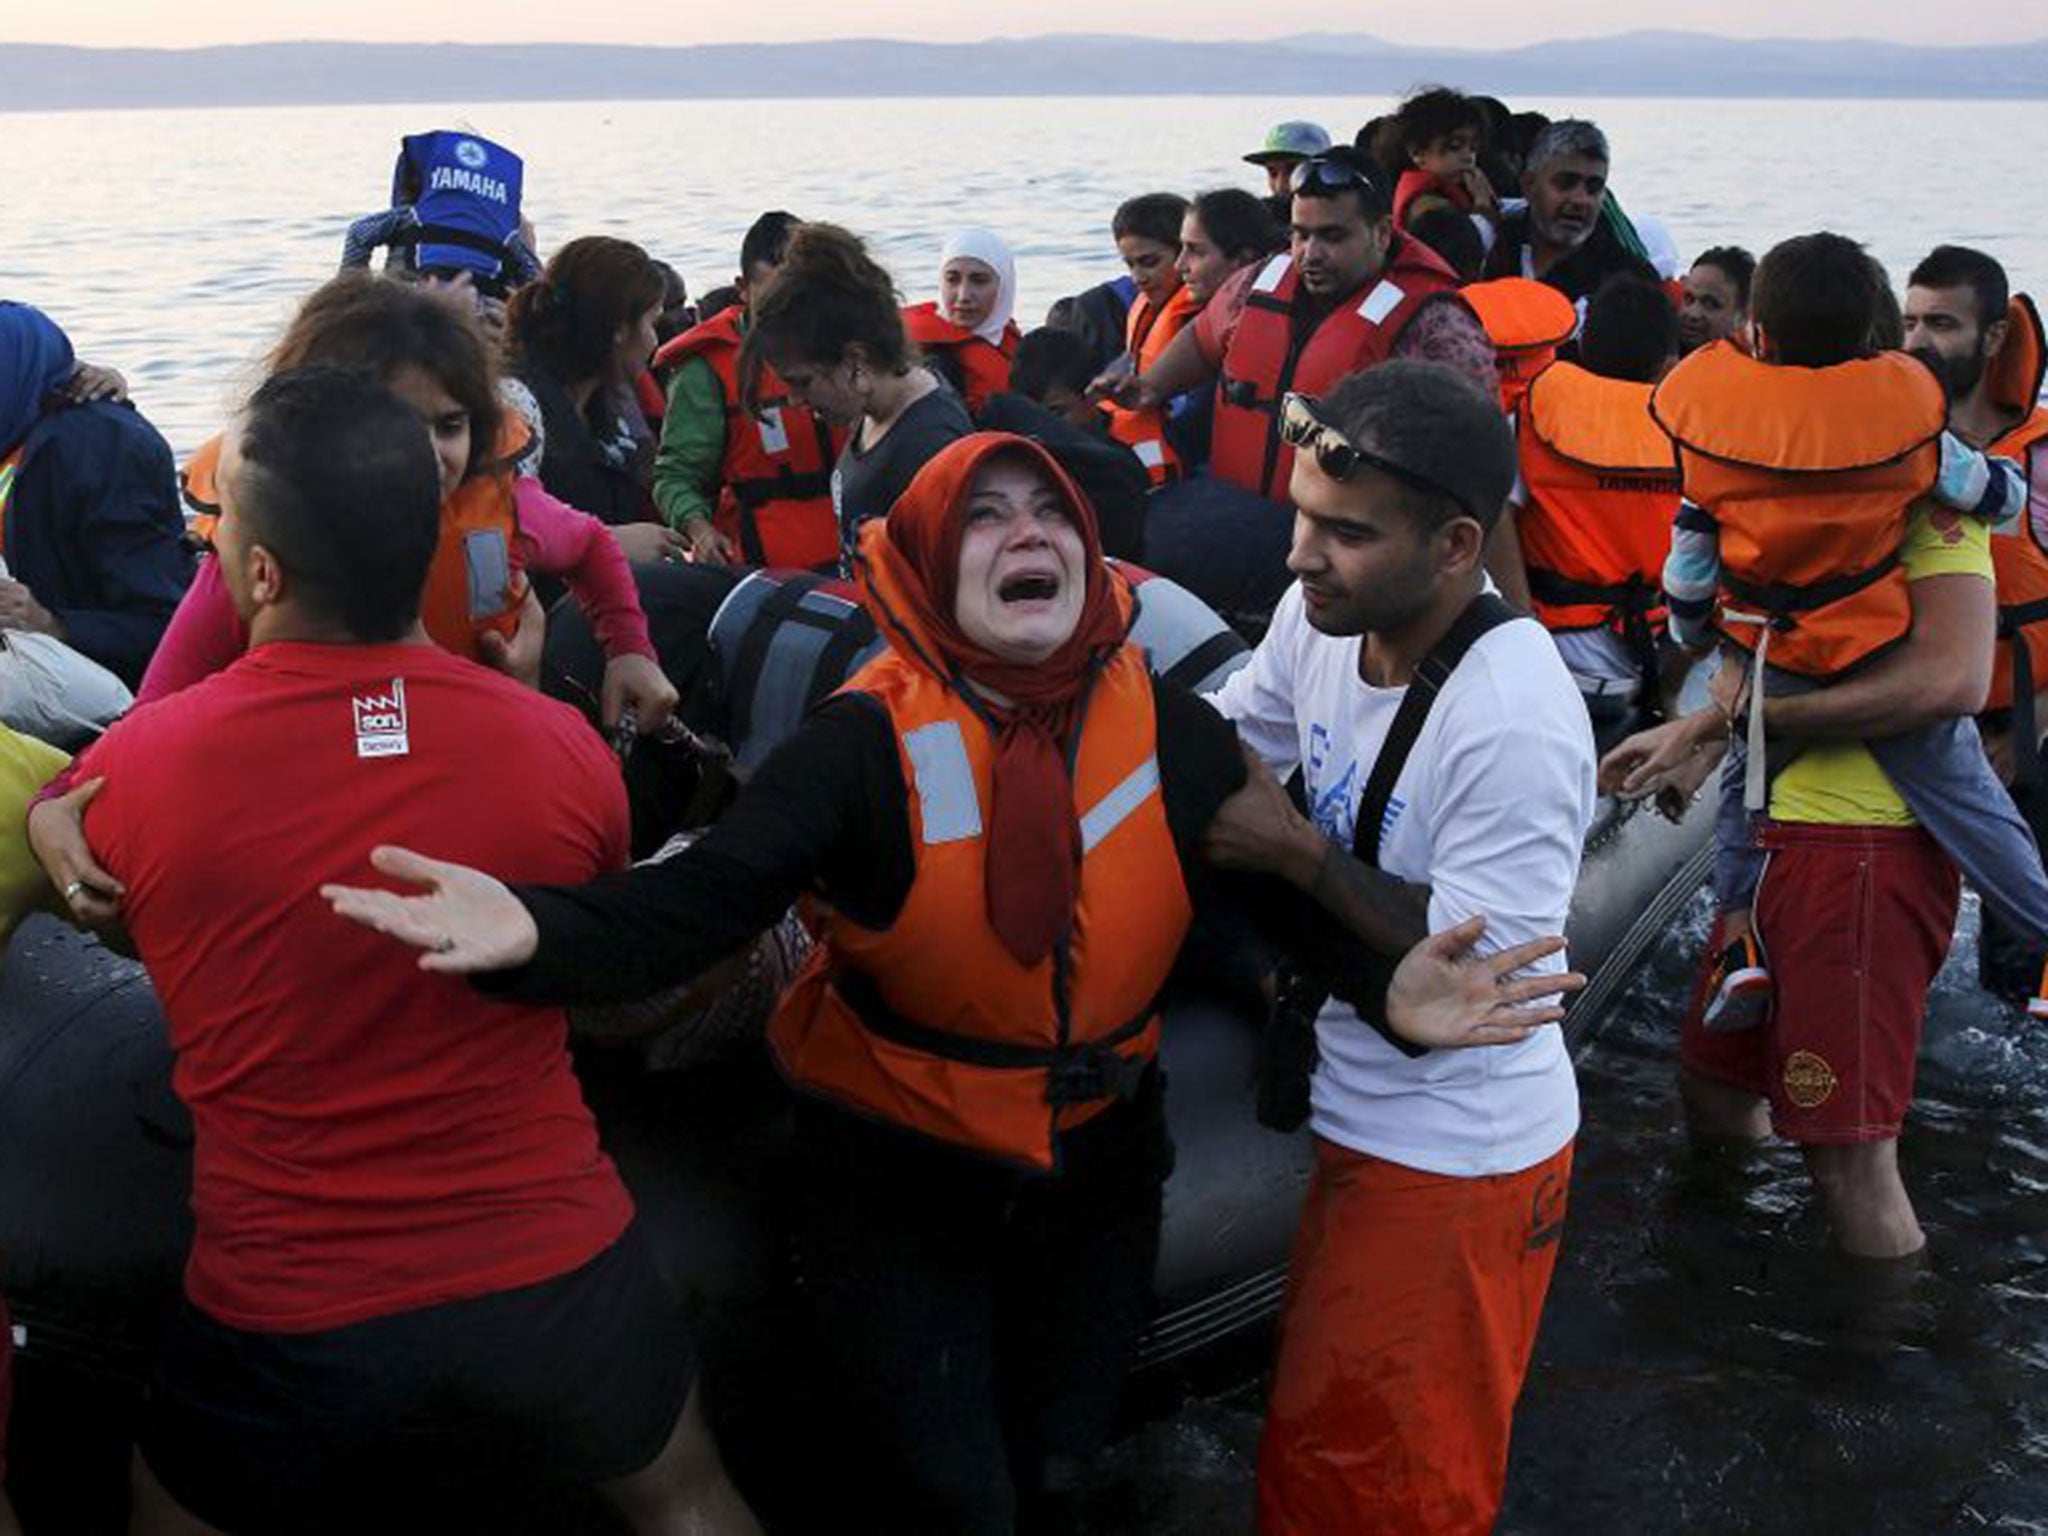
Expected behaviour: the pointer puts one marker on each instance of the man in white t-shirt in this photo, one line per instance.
(1431, 1228)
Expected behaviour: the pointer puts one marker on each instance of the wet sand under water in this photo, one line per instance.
(1707, 1363)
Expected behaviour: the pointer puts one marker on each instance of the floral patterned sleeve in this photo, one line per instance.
(1448, 334)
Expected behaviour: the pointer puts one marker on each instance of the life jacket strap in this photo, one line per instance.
(1779, 600)
(1075, 1074)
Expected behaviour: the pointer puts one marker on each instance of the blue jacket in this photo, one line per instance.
(94, 531)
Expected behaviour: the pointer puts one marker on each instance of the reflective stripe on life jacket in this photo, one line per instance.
(984, 369)
(1527, 322)
(476, 581)
(465, 190)
(1270, 355)
(930, 1023)
(775, 499)
(1809, 473)
(1148, 330)
(1602, 486)
(783, 640)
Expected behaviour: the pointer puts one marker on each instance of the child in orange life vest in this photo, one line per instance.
(1442, 132)
(1822, 427)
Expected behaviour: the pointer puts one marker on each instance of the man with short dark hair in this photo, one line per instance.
(1562, 237)
(745, 487)
(1985, 344)
(1351, 293)
(1447, 769)
(412, 1261)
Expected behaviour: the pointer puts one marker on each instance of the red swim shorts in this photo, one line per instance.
(1855, 921)
(1412, 1306)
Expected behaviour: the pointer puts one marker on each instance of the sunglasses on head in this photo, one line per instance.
(1338, 457)
(1333, 175)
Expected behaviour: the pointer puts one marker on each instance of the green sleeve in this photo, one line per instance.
(692, 452)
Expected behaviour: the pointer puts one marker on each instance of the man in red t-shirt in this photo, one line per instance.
(411, 1257)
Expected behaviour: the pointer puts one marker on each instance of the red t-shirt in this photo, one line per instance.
(370, 1138)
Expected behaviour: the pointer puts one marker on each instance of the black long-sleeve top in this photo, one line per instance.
(829, 812)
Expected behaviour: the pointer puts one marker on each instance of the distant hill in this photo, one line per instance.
(1634, 64)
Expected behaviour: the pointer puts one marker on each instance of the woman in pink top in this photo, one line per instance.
(426, 349)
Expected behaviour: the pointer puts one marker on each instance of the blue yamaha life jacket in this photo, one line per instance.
(465, 190)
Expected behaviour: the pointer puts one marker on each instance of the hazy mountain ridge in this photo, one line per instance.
(1646, 63)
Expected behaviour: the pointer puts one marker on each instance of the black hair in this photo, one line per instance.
(1453, 236)
(340, 483)
(1820, 300)
(1437, 113)
(1237, 224)
(1734, 263)
(1151, 216)
(716, 301)
(1051, 357)
(766, 240)
(1372, 195)
(1631, 330)
(1435, 423)
(1956, 266)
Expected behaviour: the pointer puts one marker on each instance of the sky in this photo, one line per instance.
(1457, 23)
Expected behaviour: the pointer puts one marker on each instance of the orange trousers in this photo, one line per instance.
(1412, 1306)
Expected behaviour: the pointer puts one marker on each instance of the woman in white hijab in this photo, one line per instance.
(967, 335)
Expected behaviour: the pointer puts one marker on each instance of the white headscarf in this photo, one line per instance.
(986, 247)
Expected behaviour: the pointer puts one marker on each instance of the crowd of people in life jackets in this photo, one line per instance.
(1370, 421)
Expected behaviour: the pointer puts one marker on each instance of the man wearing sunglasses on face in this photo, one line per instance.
(1351, 292)
(1447, 769)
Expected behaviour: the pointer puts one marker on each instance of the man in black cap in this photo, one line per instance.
(1447, 769)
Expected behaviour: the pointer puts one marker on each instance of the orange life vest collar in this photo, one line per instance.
(2017, 372)
(1721, 403)
(984, 367)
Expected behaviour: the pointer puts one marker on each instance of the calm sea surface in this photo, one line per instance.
(174, 244)
(1705, 1366)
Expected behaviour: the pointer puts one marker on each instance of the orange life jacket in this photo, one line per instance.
(2018, 556)
(8, 468)
(1148, 328)
(775, 502)
(931, 1023)
(1602, 486)
(475, 582)
(1809, 472)
(1527, 322)
(983, 367)
(1268, 356)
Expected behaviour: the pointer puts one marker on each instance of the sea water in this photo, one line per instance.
(174, 244)
(1705, 1365)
